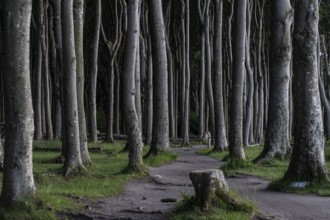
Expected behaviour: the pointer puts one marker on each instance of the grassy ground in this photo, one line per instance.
(58, 194)
(188, 210)
(272, 171)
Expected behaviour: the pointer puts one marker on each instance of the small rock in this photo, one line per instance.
(144, 198)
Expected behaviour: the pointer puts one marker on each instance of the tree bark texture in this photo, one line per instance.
(18, 181)
(236, 115)
(134, 134)
(307, 161)
(277, 143)
(220, 141)
(160, 132)
(71, 137)
(56, 5)
(78, 13)
(94, 73)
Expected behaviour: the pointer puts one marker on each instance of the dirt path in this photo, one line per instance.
(155, 197)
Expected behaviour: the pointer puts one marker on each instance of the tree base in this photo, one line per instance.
(208, 184)
(136, 169)
(270, 156)
(74, 171)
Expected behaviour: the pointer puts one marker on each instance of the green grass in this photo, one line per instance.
(59, 194)
(188, 210)
(272, 171)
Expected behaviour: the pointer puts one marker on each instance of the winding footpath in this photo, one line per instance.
(154, 197)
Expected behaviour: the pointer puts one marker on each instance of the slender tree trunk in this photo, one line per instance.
(73, 163)
(18, 181)
(149, 106)
(307, 161)
(324, 100)
(236, 111)
(78, 13)
(56, 5)
(138, 104)
(160, 128)
(277, 143)
(220, 132)
(134, 134)
(209, 89)
(249, 81)
(38, 135)
(94, 73)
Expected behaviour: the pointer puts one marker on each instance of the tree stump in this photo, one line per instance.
(208, 185)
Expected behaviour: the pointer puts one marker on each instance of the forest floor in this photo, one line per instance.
(155, 197)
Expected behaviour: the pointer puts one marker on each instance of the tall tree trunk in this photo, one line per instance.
(160, 127)
(18, 181)
(220, 132)
(134, 134)
(249, 81)
(138, 104)
(208, 67)
(43, 5)
(324, 99)
(149, 107)
(78, 14)
(236, 111)
(37, 99)
(73, 163)
(56, 5)
(307, 161)
(277, 143)
(201, 113)
(94, 72)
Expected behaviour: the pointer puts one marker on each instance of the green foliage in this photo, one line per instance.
(188, 209)
(61, 194)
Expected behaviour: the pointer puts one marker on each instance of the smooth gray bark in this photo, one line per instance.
(220, 141)
(236, 115)
(277, 142)
(134, 134)
(56, 5)
(71, 136)
(160, 127)
(18, 181)
(307, 161)
(94, 73)
(37, 96)
(78, 13)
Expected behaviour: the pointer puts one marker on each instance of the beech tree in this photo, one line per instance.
(277, 143)
(220, 131)
(71, 138)
(94, 72)
(18, 181)
(307, 161)
(134, 134)
(236, 115)
(160, 132)
(78, 14)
